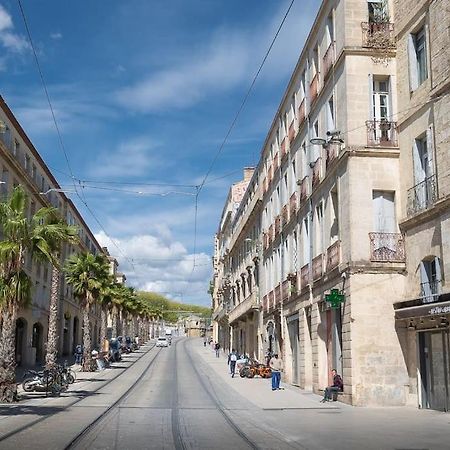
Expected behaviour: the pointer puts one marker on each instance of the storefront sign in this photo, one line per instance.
(423, 310)
(335, 298)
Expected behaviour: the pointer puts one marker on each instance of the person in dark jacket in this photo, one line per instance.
(337, 386)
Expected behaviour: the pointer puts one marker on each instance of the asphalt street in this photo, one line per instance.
(182, 397)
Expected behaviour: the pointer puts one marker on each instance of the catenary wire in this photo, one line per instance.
(58, 131)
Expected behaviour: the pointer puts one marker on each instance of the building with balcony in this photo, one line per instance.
(423, 123)
(338, 196)
(20, 163)
(226, 284)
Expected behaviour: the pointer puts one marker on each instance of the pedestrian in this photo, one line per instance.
(330, 392)
(276, 364)
(78, 354)
(217, 349)
(204, 341)
(232, 358)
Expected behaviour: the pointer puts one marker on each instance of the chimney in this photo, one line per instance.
(248, 173)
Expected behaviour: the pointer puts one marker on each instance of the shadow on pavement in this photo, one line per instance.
(17, 409)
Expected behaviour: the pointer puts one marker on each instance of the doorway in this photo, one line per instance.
(434, 356)
(37, 341)
(21, 330)
(293, 330)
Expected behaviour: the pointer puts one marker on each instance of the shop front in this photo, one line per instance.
(429, 327)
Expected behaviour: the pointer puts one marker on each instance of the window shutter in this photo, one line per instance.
(430, 151)
(425, 281)
(437, 264)
(419, 175)
(413, 78)
(371, 97)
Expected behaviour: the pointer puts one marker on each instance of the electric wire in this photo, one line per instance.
(58, 131)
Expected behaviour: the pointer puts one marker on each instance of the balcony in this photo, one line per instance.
(278, 294)
(328, 60)
(285, 290)
(283, 148)
(285, 215)
(317, 267)
(304, 276)
(293, 204)
(421, 196)
(317, 172)
(304, 189)
(301, 113)
(291, 132)
(275, 160)
(387, 247)
(332, 154)
(246, 306)
(277, 225)
(333, 255)
(378, 35)
(314, 88)
(271, 298)
(429, 291)
(269, 175)
(381, 133)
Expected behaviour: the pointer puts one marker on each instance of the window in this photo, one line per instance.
(377, 10)
(329, 31)
(319, 230)
(417, 50)
(381, 99)
(16, 148)
(430, 279)
(330, 114)
(384, 212)
(422, 166)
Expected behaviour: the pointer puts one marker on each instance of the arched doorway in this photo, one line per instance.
(21, 339)
(37, 341)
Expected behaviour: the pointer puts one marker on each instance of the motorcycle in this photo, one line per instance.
(48, 381)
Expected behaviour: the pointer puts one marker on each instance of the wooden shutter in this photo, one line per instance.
(371, 97)
(412, 57)
(430, 151)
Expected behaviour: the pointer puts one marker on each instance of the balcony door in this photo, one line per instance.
(430, 279)
(381, 109)
(384, 212)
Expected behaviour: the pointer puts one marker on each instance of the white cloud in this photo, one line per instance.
(10, 40)
(56, 36)
(132, 158)
(161, 264)
(231, 58)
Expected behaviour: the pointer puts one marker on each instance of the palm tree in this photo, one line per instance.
(24, 239)
(61, 232)
(87, 273)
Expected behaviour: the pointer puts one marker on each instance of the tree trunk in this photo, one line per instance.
(8, 387)
(124, 323)
(88, 365)
(52, 338)
(103, 327)
(114, 314)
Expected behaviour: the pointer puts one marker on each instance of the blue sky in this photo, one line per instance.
(144, 92)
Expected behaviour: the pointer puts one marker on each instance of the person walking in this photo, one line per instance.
(232, 358)
(205, 340)
(78, 354)
(330, 392)
(217, 349)
(276, 364)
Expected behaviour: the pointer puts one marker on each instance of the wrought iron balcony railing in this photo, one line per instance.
(333, 255)
(381, 133)
(387, 247)
(304, 192)
(317, 267)
(301, 113)
(429, 291)
(291, 132)
(422, 196)
(314, 88)
(293, 204)
(328, 58)
(285, 215)
(378, 35)
(332, 153)
(317, 172)
(304, 276)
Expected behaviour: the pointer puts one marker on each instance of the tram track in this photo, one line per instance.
(40, 420)
(218, 404)
(87, 429)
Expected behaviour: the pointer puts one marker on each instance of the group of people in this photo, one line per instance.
(276, 365)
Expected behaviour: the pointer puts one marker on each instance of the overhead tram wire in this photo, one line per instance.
(58, 131)
(244, 101)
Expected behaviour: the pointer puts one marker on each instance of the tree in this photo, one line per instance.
(24, 239)
(60, 233)
(88, 274)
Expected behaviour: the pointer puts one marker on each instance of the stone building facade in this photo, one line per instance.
(423, 313)
(348, 226)
(20, 163)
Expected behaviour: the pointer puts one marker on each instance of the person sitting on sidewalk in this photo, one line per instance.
(276, 364)
(330, 392)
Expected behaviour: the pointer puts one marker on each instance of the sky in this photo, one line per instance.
(144, 92)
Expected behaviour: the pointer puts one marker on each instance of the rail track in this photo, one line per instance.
(31, 424)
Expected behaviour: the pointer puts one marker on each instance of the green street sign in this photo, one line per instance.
(334, 299)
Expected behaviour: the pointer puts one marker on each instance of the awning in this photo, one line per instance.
(431, 309)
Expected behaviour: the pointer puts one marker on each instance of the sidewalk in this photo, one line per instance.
(259, 390)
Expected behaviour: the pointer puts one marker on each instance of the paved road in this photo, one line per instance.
(183, 398)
